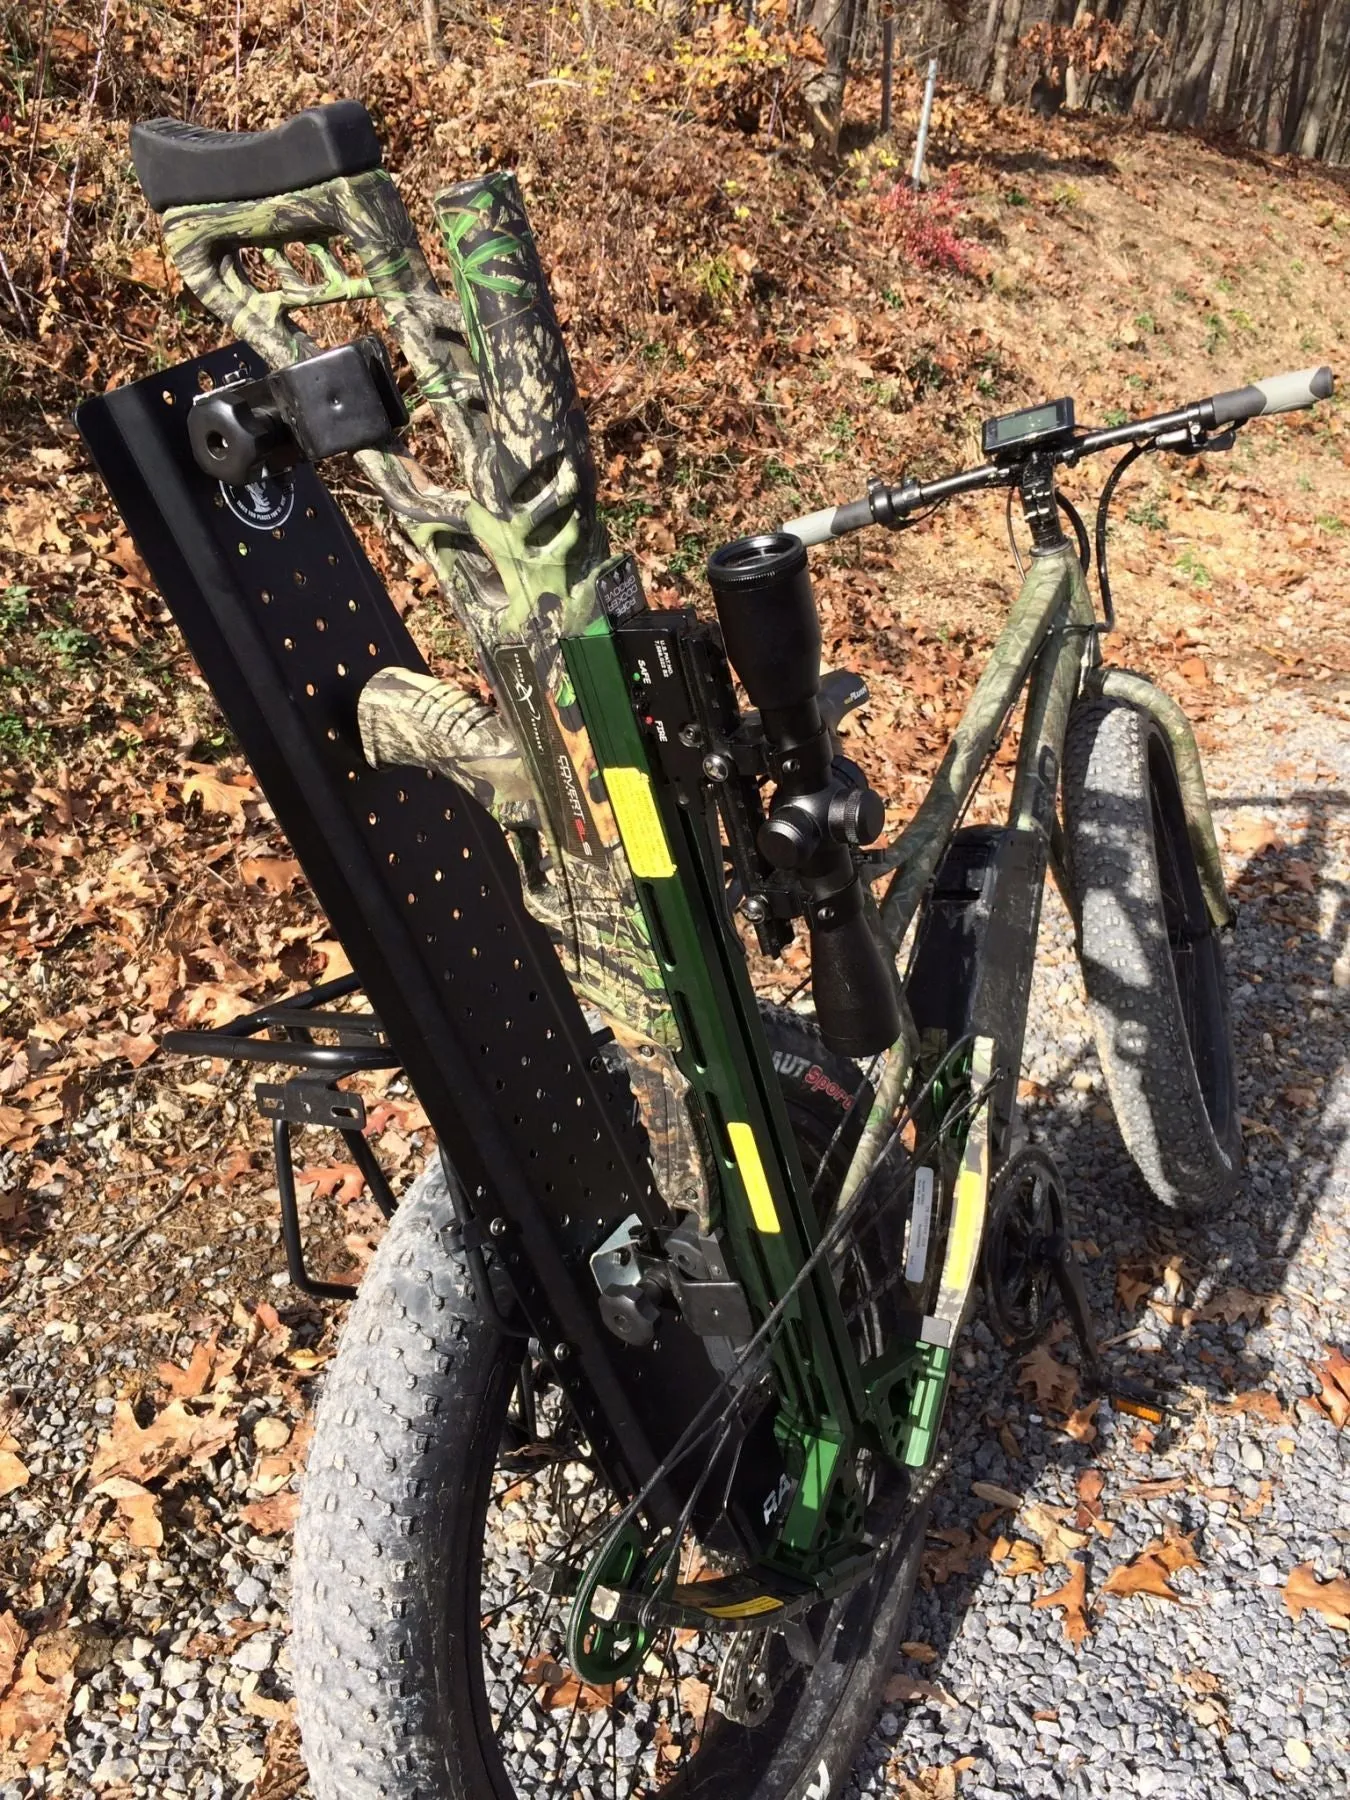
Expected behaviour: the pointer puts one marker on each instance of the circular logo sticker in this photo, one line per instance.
(263, 504)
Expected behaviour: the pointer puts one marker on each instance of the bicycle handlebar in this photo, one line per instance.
(1182, 429)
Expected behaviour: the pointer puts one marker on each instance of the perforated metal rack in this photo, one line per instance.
(287, 621)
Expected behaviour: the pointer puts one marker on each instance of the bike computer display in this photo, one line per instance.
(1022, 430)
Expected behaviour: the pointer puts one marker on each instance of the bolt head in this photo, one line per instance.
(561, 1352)
(498, 1227)
(716, 767)
(755, 907)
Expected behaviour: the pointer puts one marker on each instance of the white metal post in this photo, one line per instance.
(930, 86)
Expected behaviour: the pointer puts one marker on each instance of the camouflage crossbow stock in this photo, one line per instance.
(519, 552)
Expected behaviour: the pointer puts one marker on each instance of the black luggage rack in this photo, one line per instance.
(312, 1098)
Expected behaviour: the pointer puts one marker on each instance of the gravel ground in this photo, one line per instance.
(182, 1676)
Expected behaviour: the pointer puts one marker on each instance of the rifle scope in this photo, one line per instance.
(772, 634)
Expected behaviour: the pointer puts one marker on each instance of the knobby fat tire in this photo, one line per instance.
(1114, 756)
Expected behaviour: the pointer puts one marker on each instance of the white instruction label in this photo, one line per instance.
(920, 1226)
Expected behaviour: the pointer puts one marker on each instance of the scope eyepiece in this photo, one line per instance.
(769, 619)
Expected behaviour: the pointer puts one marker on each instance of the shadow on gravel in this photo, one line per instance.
(1292, 1033)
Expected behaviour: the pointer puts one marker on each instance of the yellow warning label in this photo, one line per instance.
(746, 1151)
(744, 1609)
(963, 1242)
(640, 827)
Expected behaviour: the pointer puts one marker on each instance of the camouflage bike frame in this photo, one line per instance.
(614, 872)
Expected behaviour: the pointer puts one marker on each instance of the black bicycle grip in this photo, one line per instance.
(1277, 393)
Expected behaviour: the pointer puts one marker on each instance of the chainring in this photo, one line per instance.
(1027, 1211)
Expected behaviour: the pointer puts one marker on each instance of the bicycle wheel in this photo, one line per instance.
(1152, 961)
(444, 1469)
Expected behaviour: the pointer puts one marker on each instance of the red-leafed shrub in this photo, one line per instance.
(925, 226)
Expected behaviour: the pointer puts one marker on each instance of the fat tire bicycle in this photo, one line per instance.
(621, 1473)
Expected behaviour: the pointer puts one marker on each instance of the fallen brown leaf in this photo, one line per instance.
(1334, 1376)
(1079, 1424)
(282, 1775)
(218, 794)
(1259, 1501)
(13, 1470)
(1001, 1497)
(1331, 1598)
(1234, 1304)
(1260, 1403)
(187, 1383)
(263, 1706)
(1175, 1550)
(963, 1549)
(174, 1436)
(1058, 1541)
(1134, 1282)
(274, 1516)
(903, 1689)
(343, 1180)
(1147, 1573)
(33, 1710)
(1072, 1597)
(1023, 1558)
(1090, 1485)
(139, 1509)
(276, 873)
(1055, 1384)
(918, 1652)
(13, 1637)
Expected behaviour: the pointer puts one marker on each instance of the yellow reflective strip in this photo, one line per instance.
(969, 1202)
(744, 1609)
(746, 1151)
(640, 827)
(963, 1240)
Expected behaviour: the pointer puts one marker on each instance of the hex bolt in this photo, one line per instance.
(691, 735)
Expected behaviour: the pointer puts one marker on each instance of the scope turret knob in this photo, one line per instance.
(790, 838)
(856, 816)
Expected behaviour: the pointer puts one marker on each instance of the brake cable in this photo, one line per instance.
(1103, 509)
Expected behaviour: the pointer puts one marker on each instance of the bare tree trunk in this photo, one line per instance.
(1189, 97)
(824, 93)
(1075, 79)
(1329, 70)
(1265, 77)
(993, 13)
(431, 30)
(1007, 41)
(1306, 32)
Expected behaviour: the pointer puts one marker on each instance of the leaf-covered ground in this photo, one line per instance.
(755, 335)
